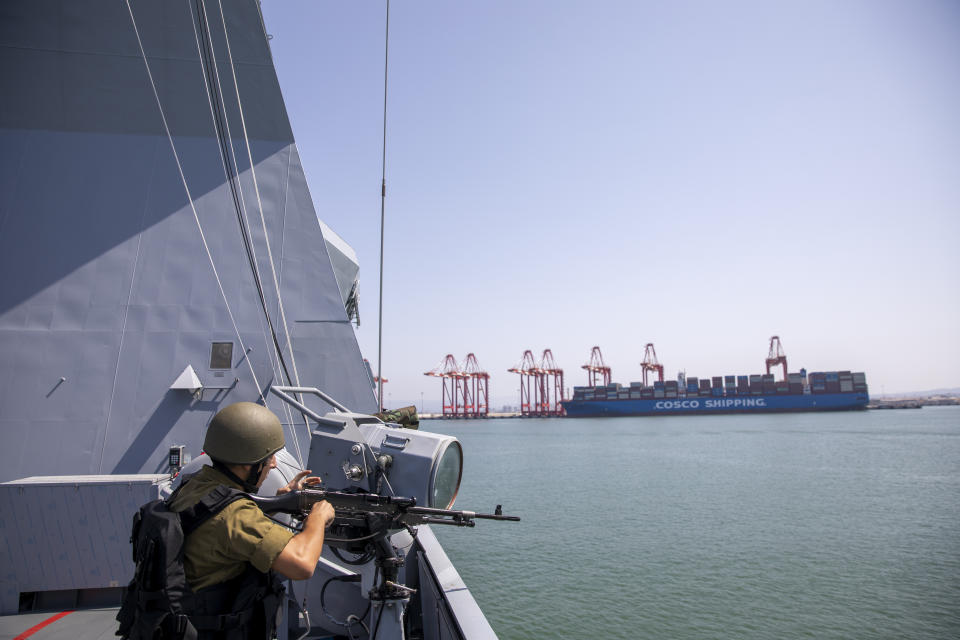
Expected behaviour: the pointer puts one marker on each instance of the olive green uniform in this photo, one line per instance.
(221, 547)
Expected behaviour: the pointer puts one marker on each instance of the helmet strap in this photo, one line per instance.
(254, 475)
(250, 484)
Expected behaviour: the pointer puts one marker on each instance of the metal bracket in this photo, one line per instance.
(198, 394)
(351, 440)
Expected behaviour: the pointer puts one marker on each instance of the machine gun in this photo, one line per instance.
(364, 520)
(361, 517)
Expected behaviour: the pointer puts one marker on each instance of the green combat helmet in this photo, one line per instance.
(243, 433)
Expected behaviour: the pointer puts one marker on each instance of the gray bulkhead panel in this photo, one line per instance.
(42, 553)
(107, 291)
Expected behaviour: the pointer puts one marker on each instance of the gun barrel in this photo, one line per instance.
(469, 515)
(493, 516)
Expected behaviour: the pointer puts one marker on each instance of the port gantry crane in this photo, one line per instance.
(529, 383)
(476, 386)
(776, 355)
(650, 363)
(449, 373)
(465, 387)
(596, 369)
(549, 370)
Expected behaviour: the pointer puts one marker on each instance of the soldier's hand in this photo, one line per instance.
(324, 511)
(300, 481)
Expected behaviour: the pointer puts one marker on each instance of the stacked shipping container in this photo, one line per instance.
(731, 386)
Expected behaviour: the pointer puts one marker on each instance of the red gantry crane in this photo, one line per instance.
(538, 384)
(477, 387)
(449, 373)
(465, 388)
(551, 386)
(529, 383)
(651, 364)
(596, 369)
(776, 355)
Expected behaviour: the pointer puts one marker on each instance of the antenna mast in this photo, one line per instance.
(383, 200)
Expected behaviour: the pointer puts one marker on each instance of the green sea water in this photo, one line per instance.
(832, 525)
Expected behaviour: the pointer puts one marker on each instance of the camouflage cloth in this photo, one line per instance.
(406, 417)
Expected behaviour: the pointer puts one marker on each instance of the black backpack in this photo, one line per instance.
(160, 604)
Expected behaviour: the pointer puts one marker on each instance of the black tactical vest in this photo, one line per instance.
(159, 604)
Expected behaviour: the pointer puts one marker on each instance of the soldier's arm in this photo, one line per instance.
(299, 557)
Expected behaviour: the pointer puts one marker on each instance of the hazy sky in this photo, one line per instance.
(700, 175)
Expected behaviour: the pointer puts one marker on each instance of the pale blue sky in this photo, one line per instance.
(700, 175)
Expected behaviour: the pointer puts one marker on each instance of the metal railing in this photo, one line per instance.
(282, 393)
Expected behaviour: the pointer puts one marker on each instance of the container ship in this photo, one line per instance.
(819, 391)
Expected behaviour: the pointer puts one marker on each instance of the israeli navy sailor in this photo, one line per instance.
(240, 548)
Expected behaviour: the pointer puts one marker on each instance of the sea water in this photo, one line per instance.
(830, 525)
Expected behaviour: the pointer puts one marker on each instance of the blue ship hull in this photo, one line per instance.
(717, 405)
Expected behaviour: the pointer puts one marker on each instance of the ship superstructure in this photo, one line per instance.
(162, 258)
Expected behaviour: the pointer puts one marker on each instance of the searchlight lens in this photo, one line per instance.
(446, 481)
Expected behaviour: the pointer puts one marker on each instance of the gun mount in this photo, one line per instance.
(376, 476)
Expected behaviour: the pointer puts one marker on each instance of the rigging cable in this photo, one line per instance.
(215, 97)
(221, 123)
(263, 223)
(383, 198)
(351, 619)
(270, 353)
(186, 188)
(223, 136)
(302, 608)
(126, 315)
